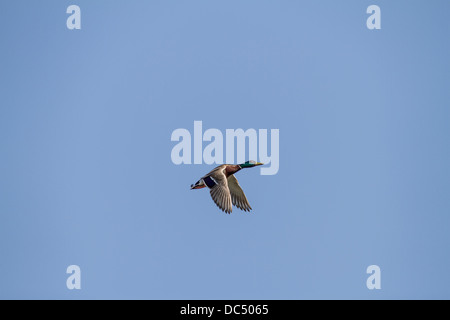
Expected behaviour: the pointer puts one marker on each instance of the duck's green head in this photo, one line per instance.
(250, 164)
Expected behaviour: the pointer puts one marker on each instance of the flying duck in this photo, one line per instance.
(224, 187)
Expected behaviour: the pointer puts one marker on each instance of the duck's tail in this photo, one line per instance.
(198, 185)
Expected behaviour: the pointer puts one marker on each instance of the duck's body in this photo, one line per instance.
(224, 187)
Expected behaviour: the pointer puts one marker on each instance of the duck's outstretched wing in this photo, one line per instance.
(237, 194)
(217, 181)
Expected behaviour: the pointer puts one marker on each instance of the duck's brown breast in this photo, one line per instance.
(232, 169)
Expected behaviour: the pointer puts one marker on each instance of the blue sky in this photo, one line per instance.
(86, 118)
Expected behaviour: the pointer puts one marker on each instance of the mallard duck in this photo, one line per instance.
(224, 187)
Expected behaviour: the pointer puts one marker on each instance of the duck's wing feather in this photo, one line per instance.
(220, 192)
(237, 194)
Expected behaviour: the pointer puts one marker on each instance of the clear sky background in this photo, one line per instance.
(86, 176)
